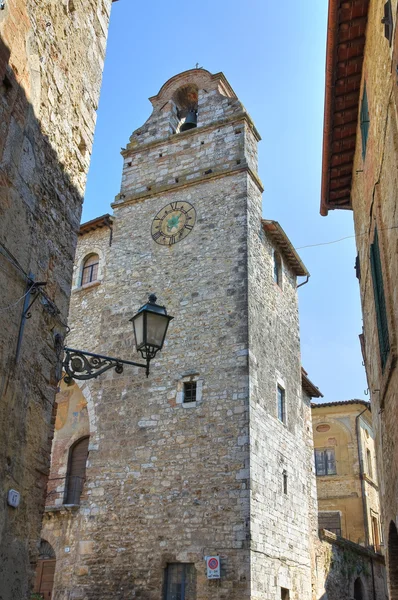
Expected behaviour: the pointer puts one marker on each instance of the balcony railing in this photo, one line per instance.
(64, 490)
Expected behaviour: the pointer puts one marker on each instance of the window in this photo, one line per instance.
(285, 594)
(365, 121)
(380, 301)
(369, 463)
(375, 533)
(277, 268)
(284, 482)
(76, 471)
(388, 21)
(281, 404)
(189, 391)
(330, 521)
(180, 582)
(90, 269)
(325, 462)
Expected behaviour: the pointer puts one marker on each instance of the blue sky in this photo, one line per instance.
(273, 54)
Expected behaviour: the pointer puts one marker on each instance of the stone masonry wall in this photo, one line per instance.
(339, 566)
(172, 482)
(281, 522)
(49, 90)
(375, 205)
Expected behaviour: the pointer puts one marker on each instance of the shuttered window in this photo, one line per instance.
(380, 301)
(180, 583)
(77, 471)
(325, 462)
(365, 121)
(330, 521)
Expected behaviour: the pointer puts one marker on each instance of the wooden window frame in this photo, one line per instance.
(93, 270)
(77, 493)
(327, 472)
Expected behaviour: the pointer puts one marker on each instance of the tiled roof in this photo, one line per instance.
(103, 221)
(345, 46)
(280, 238)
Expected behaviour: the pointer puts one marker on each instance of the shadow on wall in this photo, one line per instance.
(40, 211)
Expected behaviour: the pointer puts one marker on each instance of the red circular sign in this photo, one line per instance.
(213, 563)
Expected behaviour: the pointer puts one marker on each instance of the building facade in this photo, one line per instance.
(346, 475)
(51, 61)
(360, 174)
(212, 455)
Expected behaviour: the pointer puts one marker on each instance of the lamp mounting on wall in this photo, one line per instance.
(150, 327)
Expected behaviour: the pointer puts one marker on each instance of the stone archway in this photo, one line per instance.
(45, 570)
(359, 590)
(393, 561)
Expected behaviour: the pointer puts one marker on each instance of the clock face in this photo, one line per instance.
(173, 223)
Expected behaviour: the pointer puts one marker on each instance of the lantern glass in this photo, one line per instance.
(138, 323)
(156, 327)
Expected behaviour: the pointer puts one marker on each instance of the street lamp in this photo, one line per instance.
(150, 327)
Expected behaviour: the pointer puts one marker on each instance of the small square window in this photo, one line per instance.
(281, 404)
(189, 391)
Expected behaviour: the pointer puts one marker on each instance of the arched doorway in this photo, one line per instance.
(393, 561)
(45, 571)
(359, 590)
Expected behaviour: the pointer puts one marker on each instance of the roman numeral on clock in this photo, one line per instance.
(189, 227)
(157, 235)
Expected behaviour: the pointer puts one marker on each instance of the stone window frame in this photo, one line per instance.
(189, 378)
(80, 265)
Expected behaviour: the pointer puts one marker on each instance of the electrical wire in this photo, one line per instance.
(4, 309)
(348, 237)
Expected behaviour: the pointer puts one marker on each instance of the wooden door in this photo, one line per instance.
(45, 578)
(77, 471)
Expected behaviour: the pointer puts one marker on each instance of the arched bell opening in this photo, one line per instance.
(393, 561)
(186, 101)
(45, 570)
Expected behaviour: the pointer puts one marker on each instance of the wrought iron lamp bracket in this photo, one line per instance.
(82, 365)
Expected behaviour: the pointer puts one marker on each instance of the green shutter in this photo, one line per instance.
(365, 121)
(380, 301)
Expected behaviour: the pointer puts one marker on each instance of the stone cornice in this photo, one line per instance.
(174, 138)
(136, 198)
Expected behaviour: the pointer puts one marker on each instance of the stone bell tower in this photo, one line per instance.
(211, 455)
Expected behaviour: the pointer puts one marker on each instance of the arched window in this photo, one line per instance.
(90, 269)
(76, 471)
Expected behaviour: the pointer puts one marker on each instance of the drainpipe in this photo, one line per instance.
(364, 502)
(304, 282)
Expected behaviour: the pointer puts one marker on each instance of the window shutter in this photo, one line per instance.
(77, 471)
(330, 462)
(380, 301)
(365, 121)
(320, 466)
(388, 22)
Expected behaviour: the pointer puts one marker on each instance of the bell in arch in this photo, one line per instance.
(191, 121)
